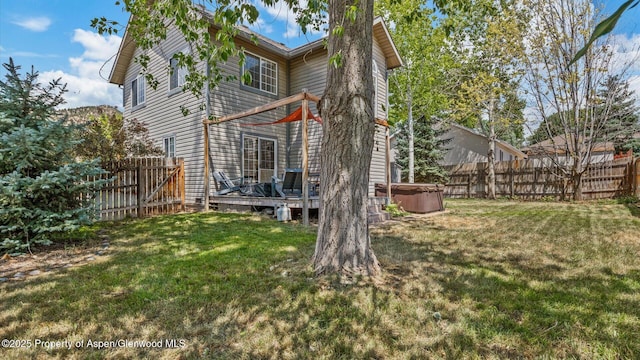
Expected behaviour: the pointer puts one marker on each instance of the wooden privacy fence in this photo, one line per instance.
(529, 179)
(140, 187)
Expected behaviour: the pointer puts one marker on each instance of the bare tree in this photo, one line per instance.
(569, 89)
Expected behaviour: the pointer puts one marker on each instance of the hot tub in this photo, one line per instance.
(415, 198)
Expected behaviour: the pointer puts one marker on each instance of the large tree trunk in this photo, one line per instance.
(343, 245)
(576, 180)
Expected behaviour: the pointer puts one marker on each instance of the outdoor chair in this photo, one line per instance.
(227, 186)
(292, 183)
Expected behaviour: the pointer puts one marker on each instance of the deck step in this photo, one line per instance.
(377, 217)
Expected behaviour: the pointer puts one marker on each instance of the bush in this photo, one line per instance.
(43, 190)
(395, 210)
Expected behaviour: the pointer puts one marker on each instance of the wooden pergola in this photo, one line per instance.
(304, 97)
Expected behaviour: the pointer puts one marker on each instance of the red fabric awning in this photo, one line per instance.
(294, 116)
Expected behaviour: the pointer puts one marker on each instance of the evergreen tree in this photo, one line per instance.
(623, 120)
(429, 151)
(43, 190)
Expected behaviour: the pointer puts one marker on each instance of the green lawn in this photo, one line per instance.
(485, 280)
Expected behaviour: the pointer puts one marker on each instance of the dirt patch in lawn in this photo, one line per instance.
(53, 258)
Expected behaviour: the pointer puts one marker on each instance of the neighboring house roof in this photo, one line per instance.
(505, 146)
(558, 145)
(380, 31)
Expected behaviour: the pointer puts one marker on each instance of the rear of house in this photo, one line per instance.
(253, 153)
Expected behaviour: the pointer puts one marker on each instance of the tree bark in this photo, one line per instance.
(343, 245)
(491, 177)
(411, 142)
(491, 166)
(576, 179)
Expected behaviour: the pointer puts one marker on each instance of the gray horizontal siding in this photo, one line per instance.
(309, 72)
(163, 117)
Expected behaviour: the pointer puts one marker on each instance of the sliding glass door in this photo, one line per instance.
(258, 159)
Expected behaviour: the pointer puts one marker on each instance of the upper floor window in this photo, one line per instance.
(264, 73)
(138, 91)
(178, 74)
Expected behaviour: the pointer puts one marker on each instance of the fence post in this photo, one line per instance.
(511, 180)
(469, 186)
(141, 187)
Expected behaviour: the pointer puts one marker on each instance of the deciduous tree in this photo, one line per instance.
(343, 244)
(569, 89)
(111, 138)
(421, 85)
(487, 98)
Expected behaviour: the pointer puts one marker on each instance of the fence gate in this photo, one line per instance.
(140, 187)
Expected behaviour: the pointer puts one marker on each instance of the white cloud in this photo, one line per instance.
(85, 92)
(97, 47)
(260, 26)
(634, 85)
(626, 52)
(280, 12)
(86, 81)
(37, 24)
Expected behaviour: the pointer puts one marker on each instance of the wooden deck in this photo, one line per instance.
(263, 202)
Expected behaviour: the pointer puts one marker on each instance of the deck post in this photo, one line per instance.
(305, 163)
(205, 197)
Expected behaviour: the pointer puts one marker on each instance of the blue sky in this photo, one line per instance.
(55, 36)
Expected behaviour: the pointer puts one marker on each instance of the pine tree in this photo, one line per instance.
(623, 120)
(429, 151)
(43, 190)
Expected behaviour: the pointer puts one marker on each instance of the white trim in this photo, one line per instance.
(179, 70)
(260, 83)
(243, 136)
(376, 72)
(139, 80)
(166, 141)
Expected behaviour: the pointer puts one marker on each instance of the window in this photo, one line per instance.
(137, 91)
(258, 159)
(169, 145)
(177, 75)
(264, 73)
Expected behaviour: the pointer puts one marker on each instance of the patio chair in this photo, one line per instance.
(292, 182)
(225, 184)
(228, 186)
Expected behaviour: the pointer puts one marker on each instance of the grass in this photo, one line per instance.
(485, 280)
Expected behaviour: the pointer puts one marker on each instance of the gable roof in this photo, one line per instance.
(503, 145)
(558, 145)
(127, 48)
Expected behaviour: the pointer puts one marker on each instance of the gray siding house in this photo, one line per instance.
(254, 153)
(468, 146)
